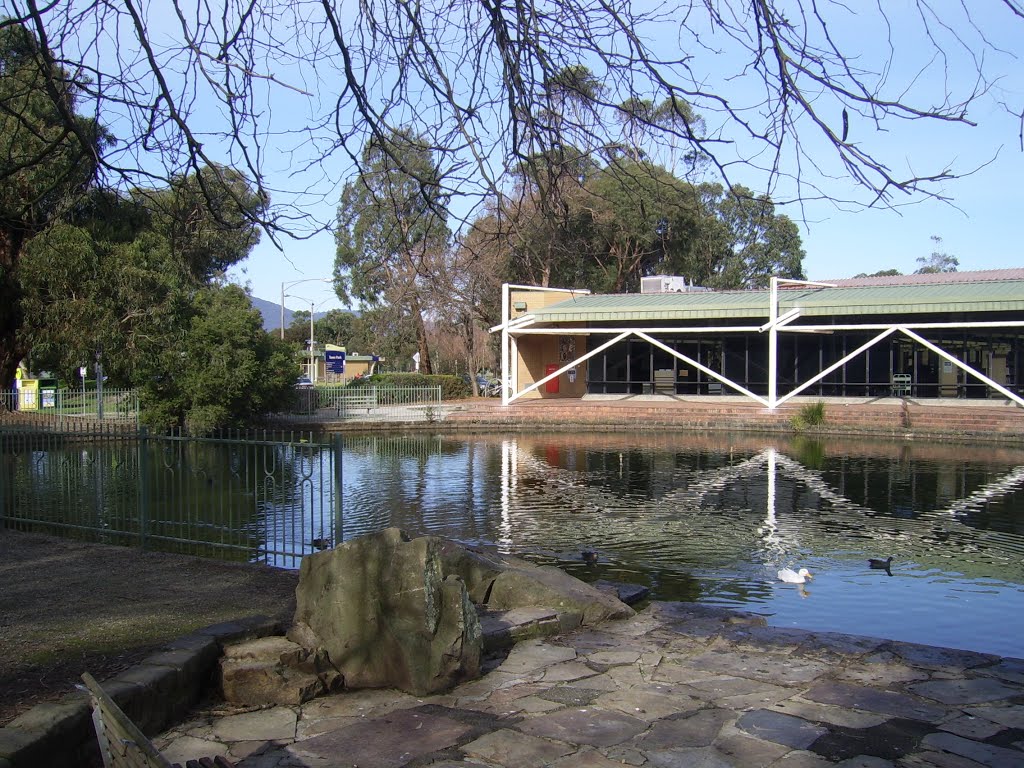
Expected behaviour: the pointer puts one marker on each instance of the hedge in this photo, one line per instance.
(452, 387)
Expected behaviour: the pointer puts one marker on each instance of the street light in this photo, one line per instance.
(297, 282)
(312, 310)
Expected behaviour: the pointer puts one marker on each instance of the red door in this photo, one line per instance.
(552, 386)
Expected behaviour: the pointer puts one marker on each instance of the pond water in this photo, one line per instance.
(712, 519)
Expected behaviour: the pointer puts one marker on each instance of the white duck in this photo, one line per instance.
(790, 576)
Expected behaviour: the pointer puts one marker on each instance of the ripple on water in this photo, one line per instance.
(712, 522)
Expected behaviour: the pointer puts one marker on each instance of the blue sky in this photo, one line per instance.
(980, 225)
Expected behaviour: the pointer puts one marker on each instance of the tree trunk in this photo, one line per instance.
(421, 338)
(11, 316)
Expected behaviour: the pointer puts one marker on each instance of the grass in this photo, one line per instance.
(810, 415)
(69, 606)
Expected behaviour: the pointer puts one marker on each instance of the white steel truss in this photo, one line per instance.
(523, 326)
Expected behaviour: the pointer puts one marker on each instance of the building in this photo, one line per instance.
(331, 364)
(958, 334)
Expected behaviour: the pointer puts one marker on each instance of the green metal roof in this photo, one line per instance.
(945, 298)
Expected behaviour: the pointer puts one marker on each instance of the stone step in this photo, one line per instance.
(503, 629)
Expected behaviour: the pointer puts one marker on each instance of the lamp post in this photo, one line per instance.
(285, 286)
(312, 341)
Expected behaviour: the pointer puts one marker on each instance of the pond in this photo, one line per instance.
(712, 519)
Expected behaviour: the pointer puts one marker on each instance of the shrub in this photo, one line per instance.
(452, 387)
(810, 415)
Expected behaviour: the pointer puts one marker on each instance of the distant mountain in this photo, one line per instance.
(271, 312)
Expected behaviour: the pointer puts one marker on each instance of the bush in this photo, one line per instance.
(810, 415)
(452, 387)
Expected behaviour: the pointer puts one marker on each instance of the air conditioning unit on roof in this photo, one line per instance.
(666, 284)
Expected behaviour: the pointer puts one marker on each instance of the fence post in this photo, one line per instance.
(337, 443)
(143, 485)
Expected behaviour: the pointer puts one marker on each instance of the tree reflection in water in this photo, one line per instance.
(712, 518)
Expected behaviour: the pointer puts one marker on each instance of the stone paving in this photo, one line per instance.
(676, 686)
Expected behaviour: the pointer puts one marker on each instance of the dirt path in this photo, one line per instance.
(67, 607)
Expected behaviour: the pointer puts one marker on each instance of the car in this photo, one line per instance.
(303, 382)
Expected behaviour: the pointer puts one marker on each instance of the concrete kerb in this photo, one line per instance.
(160, 690)
(155, 694)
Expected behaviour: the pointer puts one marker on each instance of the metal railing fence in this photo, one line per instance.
(267, 497)
(369, 403)
(114, 404)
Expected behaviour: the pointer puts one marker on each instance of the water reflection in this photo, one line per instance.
(712, 519)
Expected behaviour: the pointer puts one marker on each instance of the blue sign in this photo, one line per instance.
(335, 361)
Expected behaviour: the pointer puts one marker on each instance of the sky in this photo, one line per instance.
(979, 225)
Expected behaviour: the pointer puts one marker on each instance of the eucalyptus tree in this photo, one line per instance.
(392, 232)
(641, 220)
(741, 240)
(937, 261)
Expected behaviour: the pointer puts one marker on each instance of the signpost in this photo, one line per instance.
(334, 360)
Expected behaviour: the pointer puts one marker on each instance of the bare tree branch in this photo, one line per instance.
(294, 89)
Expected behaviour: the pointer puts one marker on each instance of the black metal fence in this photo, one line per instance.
(268, 497)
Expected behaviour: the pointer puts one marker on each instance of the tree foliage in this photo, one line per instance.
(640, 220)
(742, 241)
(937, 261)
(392, 232)
(122, 282)
(345, 329)
(226, 371)
(48, 158)
(630, 219)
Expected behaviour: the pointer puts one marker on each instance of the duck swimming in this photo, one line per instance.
(881, 565)
(790, 576)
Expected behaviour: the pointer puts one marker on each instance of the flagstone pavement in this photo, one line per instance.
(676, 686)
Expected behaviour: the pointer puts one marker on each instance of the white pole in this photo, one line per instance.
(773, 341)
(312, 360)
(506, 379)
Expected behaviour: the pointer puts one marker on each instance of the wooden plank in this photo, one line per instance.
(126, 745)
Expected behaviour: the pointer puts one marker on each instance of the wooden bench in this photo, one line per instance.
(122, 744)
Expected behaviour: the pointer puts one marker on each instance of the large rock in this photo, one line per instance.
(383, 609)
(503, 583)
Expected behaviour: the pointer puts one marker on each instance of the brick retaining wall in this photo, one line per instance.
(891, 418)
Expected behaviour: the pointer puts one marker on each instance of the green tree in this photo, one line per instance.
(640, 220)
(938, 261)
(345, 329)
(392, 232)
(742, 241)
(881, 273)
(225, 371)
(123, 282)
(116, 278)
(209, 218)
(48, 159)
